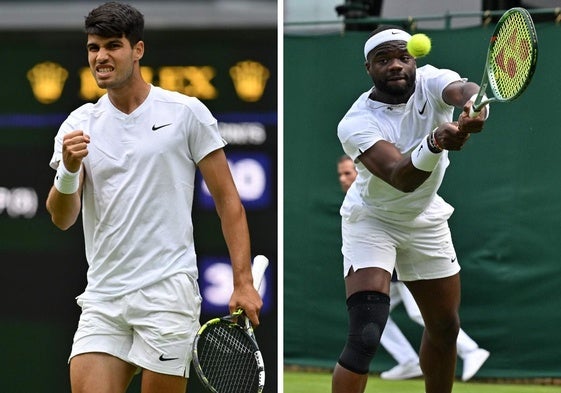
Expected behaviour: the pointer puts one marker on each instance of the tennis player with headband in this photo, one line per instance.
(399, 133)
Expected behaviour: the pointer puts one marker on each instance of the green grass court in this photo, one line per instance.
(320, 382)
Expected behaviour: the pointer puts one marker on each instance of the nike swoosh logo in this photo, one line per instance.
(162, 358)
(423, 108)
(155, 128)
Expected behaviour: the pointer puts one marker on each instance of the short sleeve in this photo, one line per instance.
(203, 136)
(357, 134)
(71, 123)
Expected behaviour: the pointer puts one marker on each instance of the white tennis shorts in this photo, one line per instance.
(152, 328)
(418, 250)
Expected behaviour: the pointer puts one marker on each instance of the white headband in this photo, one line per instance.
(385, 36)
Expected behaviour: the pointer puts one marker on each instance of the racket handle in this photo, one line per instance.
(479, 102)
(473, 113)
(260, 264)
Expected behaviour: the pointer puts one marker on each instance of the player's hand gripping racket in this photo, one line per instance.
(511, 59)
(225, 354)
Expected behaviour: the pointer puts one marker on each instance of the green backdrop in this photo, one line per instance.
(504, 185)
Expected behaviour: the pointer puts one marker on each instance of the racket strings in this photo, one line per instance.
(512, 57)
(227, 358)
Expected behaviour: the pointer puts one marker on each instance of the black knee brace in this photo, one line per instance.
(368, 313)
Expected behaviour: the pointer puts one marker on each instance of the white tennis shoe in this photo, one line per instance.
(473, 362)
(403, 371)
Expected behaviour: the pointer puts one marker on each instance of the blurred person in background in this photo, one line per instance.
(346, 171)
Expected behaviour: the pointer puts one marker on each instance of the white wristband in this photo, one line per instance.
(488, 106)
(66, 182)
(422, 158)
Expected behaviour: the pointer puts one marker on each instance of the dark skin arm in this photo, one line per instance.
(385, 161)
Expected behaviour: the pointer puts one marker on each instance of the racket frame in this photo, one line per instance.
(488, 75)
(231, 321)
(260, 264)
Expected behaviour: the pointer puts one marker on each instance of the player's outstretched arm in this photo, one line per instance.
(462, 95)
(385, 161)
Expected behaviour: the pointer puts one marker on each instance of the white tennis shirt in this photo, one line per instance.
(138, 189)
(404, 125)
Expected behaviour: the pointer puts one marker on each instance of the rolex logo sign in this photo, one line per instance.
(250, 78)
(47, 81)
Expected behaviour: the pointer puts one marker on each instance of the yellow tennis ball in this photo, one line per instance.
(419, 45)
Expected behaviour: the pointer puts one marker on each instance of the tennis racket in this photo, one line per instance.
(226, 356)
(511, 59)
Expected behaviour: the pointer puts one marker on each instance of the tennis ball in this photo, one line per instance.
(418, 45)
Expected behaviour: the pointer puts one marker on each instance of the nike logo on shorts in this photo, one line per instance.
(163, 359)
